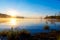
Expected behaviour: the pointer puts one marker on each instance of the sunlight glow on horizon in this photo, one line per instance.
(12, 12)
(28, 8)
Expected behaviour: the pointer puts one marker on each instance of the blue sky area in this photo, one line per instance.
(31, 7)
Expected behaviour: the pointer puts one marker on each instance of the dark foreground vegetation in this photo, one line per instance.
(25, 35)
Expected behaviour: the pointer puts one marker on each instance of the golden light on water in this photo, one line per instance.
(12, 22)
(18, 22)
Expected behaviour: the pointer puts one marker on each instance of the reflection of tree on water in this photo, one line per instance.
(46, 26)
(52, 21)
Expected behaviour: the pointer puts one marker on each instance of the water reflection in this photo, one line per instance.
(12, 22)
(30, 24)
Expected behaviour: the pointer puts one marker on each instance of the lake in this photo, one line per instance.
(31, 25)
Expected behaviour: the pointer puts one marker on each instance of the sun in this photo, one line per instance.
(11, 12)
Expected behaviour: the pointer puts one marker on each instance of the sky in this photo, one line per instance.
(30, 8)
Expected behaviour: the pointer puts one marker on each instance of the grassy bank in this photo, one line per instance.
(25, 35)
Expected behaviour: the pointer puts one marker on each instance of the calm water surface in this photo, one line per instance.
(32, 25)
